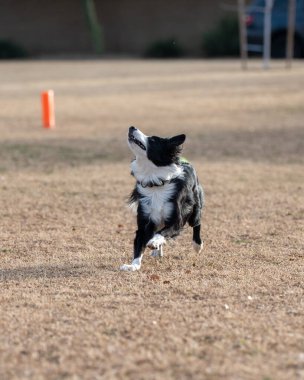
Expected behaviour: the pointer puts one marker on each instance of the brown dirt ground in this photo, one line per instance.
(233, 312)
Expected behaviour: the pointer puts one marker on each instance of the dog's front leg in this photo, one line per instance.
(160, 238)
(157, 252)
(143, 235)
(156, 244)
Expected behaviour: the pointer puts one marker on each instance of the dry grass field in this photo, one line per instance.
(233, 312)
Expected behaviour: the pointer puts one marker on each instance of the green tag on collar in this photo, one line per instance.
(184, 160)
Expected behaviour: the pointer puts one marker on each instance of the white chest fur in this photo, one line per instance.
(155, 202)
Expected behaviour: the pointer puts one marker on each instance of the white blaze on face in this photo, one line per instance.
(137, 150)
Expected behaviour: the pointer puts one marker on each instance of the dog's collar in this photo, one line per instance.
(153, 184)
(160, 182)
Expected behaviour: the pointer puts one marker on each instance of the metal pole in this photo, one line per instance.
(291, 32)
(243, 34)
(267, 34)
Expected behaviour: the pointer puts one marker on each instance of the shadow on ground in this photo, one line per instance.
(275, 146)
(43, 271)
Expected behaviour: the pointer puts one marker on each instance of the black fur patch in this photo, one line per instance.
(163, 152)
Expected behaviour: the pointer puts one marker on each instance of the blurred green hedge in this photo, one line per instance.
(169, 48)
(223, 40)
(11, 50)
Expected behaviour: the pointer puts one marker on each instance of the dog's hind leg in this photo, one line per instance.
(197, 241)
(195, 222)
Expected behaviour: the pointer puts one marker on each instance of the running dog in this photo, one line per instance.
(167, 194)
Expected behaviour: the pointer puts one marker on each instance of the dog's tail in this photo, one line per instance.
(133, 200)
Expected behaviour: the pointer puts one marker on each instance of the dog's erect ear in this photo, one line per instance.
(178, 140)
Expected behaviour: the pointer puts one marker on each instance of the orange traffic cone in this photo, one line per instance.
(48, 111)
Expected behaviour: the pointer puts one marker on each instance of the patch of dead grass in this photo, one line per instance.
(233, 312)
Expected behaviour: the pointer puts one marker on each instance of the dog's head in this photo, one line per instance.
(161, 151)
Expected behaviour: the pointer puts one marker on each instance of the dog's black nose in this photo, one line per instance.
(132, 129)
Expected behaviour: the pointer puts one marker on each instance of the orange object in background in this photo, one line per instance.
(48, 109)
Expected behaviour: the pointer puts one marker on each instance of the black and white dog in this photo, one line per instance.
(166, 196)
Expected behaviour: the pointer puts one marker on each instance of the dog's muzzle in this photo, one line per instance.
(133, 139)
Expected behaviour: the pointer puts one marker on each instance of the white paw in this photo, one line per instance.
(130, 268)
(157, 252)
(156, 242)
(197, 247)
(136, 264)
